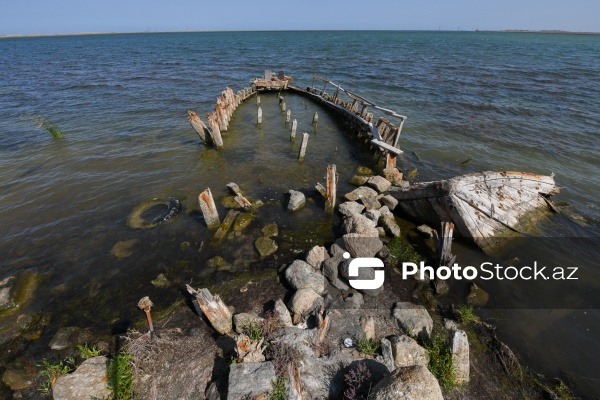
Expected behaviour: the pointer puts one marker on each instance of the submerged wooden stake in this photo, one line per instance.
(259, 118)
(215, 130)
(294, 125)
(303, 146)
(390, 160)
(198, 125)
(258, 100)
(316, 118)
(288, 115)
(209, 209)
(331, 187)
(144, 304)
(282, 107)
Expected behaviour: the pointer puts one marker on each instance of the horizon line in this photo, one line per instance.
(545, 31)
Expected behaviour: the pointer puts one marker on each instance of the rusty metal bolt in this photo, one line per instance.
(144, 304)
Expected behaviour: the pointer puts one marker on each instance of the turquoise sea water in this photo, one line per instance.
(507, 101)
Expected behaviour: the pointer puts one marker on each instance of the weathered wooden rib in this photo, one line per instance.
(485, 206)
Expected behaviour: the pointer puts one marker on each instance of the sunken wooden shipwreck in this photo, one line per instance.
(487, 207)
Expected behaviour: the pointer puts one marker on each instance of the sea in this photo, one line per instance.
(475, 101)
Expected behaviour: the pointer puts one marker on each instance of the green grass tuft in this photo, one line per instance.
(254, 331)
(440, 361)
(402, 252)
(367, 346)
(86, 351)
(466, 314)
(120, 373)
(51, 372)
(279, 391)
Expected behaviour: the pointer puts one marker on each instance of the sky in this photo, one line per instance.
(74, 16)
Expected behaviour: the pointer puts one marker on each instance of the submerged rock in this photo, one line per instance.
(414, 319)
(408, 383)
(265, 246)
(90, 380)
(270, 230)
(477, 296)
(364, 170)
(20, 374)
(124, 248)
(161, 281)
(297, 200)
(242, 221)
(359, 180)
(16, 290)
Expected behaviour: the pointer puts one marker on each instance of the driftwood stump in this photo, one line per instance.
(213, 307)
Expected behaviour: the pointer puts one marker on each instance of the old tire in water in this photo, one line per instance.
(154, 212)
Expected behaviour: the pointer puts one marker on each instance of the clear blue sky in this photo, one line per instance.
(70, 16)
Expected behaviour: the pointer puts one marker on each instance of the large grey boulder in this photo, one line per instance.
(90, 380)
(408, 383)
(359, 193)
(301, 275)
(413, 318)
(460, 355)
(379, 183)
(350, 208)
(407, 352)
(283, 313)
(249, 377)
(362, 245)
(297, 200)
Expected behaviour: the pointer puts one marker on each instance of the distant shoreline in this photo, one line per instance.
(8, 36)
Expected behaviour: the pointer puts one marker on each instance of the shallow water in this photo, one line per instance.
(506, 101)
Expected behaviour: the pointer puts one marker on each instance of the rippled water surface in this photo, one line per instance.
(505, 101)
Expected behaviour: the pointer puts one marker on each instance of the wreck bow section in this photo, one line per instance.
(486, 206)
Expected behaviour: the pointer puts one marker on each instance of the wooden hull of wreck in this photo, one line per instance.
(486, 206)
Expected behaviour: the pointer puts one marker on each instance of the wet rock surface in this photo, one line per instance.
(414, 319)
(88, 381)
(297, 200)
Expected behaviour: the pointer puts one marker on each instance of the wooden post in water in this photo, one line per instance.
(258, 100)
(282, 107)
(221, 116)
(288, 115)
(390, 160)
(215, 130)
(316, 118)
(443, 248)
(259, 118)
(303, 146)
(331, 188)
(209, 209)
(363, 112)
(198, 126)
(294, 125)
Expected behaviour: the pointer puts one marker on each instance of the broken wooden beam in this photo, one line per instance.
(331, 187)
(303, 146)
(209, 209)
(214, 309)
(224, 228)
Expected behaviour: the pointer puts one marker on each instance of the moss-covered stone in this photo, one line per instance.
(270, 230)
(265, 246)
(124, 248)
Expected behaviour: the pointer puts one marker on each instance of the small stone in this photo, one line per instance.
(460, 355)
(477, 296)
(124, 249)
(330, 268)
(393, 175)
(390, 225)
(362, 246)
(368, 327)
(381, 231)
(413, 318)
(359, 180)
(217, 263)
(450, 324)
(387, 356)
(301, 275)
(270, 230)
(361, 225)
(90, 380)
(389, 201)
(316, 256)
(297, 200)
(425, 229)
(349, 208)
(359, 193)
(355, 300)
(371, 202)
(161, 281)
(373, 215)
(62, 338)
(379, 183)
(283, 313)
(408, 352)
(384, 210)
(265, 246)
(304, 301)
(408, 383)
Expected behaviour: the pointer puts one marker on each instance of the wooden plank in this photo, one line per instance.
(386, 146)
(224, 228)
